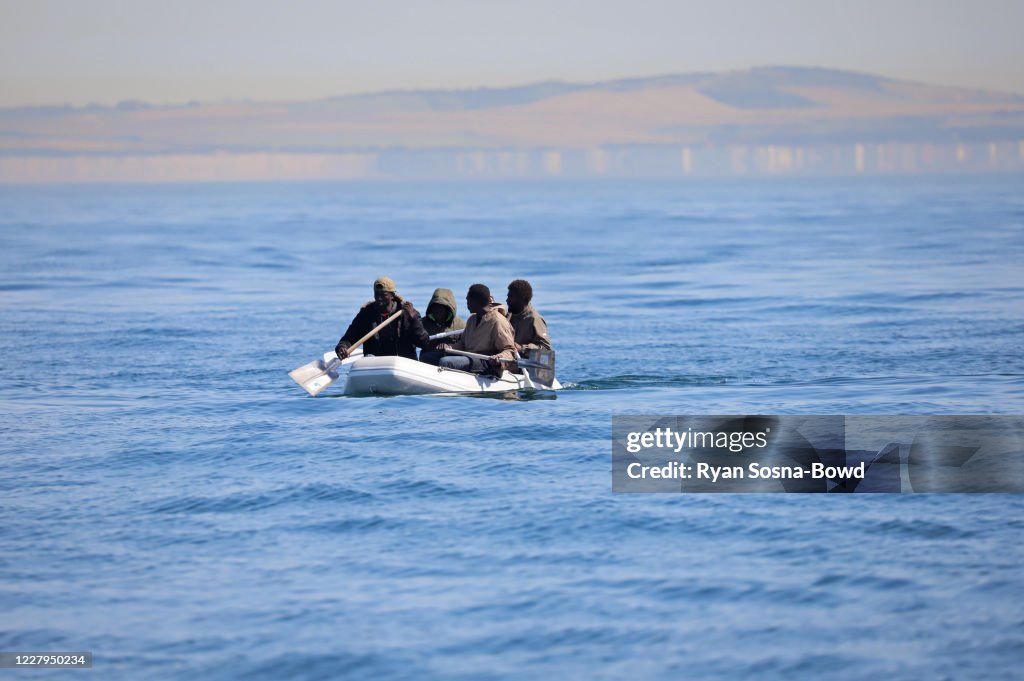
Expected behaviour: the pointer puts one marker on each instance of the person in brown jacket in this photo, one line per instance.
(487, 332)
(531, 331)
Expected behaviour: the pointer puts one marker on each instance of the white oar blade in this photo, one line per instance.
(316, 376)
(320, 383)
(307, 372)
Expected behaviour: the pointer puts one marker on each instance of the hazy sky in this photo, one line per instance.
(80, 51)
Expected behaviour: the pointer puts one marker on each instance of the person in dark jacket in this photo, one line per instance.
(442, 315)
(401, 337)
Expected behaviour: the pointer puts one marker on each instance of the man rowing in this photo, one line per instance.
(487, 332)
(401, 337)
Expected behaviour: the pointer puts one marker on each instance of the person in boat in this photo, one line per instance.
(531, 331)
(401, 337)
(487, 332)
(442, 315)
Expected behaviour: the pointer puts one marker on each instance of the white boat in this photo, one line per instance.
(403, 376)
(369, 375)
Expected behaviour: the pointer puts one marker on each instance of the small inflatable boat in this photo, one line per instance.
(402, 376)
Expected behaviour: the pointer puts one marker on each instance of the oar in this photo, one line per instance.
(476, 355)
(447, 334)
(527, 380)
(320, 373)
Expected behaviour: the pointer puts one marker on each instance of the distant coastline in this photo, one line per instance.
(760, 122)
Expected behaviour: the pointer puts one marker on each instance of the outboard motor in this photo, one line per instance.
(544, 375)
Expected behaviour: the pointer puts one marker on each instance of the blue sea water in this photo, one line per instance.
(172, 502)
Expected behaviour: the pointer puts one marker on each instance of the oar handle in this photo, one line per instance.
(372, 333)
(446, 334)
(522, 362)
(477, 355)
(380, 326)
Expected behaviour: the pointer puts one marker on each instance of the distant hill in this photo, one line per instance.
(790, 106)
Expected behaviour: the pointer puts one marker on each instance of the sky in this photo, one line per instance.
(105, 51)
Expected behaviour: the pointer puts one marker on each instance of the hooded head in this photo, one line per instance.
(442, 308)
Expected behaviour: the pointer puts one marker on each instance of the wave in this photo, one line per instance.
(252, 501)
(626, 381)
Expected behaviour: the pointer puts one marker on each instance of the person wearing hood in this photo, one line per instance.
(531, 331)
(401, 337)
(442, 315)
(487, 332)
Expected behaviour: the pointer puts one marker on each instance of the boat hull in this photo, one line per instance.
(402, 376)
